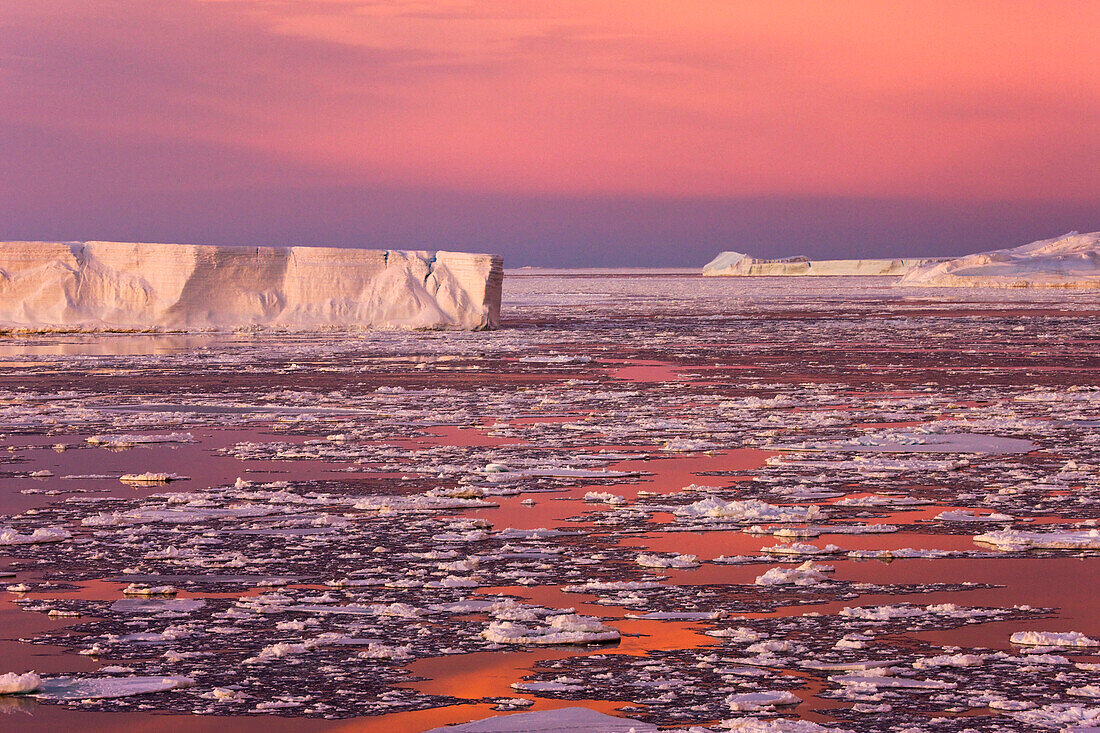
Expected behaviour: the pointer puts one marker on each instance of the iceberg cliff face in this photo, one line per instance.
(1069, 261)
(122, 285)
(736, 264)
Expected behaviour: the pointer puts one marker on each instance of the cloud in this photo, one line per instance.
(616, 99)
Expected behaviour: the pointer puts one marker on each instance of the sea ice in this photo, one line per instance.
(1053, 638)
(150, 478)
(41, 535)
(563, 629)
(778, 725)
(562, 720)
(758, 700)
(965, 515)
(13, 683)
(926, 440)
(649, 560)
(1065, 717)
(87, 688)
(800, 548)
(1014, 539)
(713, 509)
(872, 683)
(808, 573)
(148, 590)
(121, 441)
(604, 497)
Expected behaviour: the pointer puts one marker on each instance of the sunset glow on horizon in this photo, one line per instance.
(698, 100)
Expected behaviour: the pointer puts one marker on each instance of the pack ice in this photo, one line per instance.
(1069, 261)
(126, 286)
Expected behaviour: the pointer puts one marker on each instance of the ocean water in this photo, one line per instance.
(823, 500)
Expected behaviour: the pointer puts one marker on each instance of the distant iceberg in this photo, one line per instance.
(1069, 261)
(132, 286)
(738, 264)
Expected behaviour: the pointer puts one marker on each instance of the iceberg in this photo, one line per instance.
(97, 286)
(738, 264)
(1069, 261)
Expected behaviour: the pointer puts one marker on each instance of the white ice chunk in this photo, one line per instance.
(649, 560)
(150, 477)
(1052, 638)
(563, 629)
(715, 509)
(13, 683)
(965, 515)
(871, 683)
(135, 589)
(778, 725)
(921, 441)
(157, 605)
(800, 548)
(758, 700)
(604, 497)
(1065, 717)
(1015, 539)
(121, 441)
(808, 573)
(41, 535)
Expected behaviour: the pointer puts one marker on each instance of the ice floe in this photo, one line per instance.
(13, 683)
(566, 720)
(89, 688)
(1052, 638)
(1015, 539)
(42, 535)
(561, 629)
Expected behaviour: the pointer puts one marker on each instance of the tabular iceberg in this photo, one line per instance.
(737, 264)
(132, 286)
(1069, 261)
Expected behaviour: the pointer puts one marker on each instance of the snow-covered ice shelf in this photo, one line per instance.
(1069, 261)
(738, 264)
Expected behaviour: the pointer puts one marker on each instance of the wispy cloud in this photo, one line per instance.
(989, 99)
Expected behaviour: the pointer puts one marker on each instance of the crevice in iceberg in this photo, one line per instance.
(431, 269)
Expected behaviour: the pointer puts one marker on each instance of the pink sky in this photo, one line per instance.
(951, 100)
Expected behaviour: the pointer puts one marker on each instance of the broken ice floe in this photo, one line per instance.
(1050, 638)
(929, 440)
(13, 683)
(90, 688)
(561, 629)
(150, 477)
(1014, 539)
(41, 535)
(125, 440)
